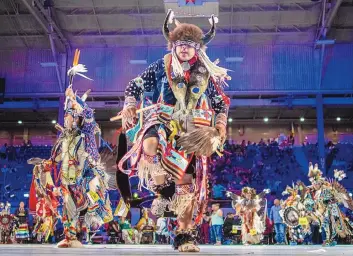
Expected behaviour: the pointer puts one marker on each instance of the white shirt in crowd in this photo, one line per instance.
(162, 226)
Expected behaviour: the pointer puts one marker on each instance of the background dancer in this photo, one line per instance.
(252, 209)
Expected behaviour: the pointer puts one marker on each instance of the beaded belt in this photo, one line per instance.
(152, 159)
(184, 189)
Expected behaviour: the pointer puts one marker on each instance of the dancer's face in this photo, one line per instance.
(69, 120)
(185, 52)
(317, 186)
(215, 207)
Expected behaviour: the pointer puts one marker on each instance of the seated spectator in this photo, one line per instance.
(29, 144)
(3, 151)
(291, 139)
(218, 190)
(113, 230)
(229, 222)
(146, 228)
(129, 234)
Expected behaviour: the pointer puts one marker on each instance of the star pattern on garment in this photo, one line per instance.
(149, 80)
(218, 105)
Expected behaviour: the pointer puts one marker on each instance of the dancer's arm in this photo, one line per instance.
(146, 82)
(219, 105)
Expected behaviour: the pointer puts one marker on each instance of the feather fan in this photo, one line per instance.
(202, 141)
(343, 195)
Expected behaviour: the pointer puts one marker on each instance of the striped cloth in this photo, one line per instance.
(122, 209)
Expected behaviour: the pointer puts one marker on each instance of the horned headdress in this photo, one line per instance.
(192, 35)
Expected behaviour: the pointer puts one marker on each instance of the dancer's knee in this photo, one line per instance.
(150, 146)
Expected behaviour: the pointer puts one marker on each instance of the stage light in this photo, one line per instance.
(48, 64)
(151, 194)
(325, 42)
(302, 119)
(338, 119)
(266, 119)
(26, 195)
(350, 194)
(138, 62)
(12, 195)
(19, 122)
(234, 59)
(53, 121)
(135, 195)
(230, 120)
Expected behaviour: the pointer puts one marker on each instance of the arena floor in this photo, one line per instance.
(116, 250)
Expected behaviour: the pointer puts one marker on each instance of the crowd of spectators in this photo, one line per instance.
(267, 164)
(20, 153)
(261, 165)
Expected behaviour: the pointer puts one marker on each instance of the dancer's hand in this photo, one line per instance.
(222, 131)
(129, 118)
(129, 112)
(70, 93)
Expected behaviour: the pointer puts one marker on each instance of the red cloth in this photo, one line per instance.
(269, 227)
(44, 207)
(205, 227)
(32, 198)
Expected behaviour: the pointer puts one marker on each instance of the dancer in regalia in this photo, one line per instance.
(318, 204)
(252, 209)
(328, 196)
(83, 180)
(45, 200)
(185, 124)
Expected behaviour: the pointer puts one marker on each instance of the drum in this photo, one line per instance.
(5, 222)
(291, 216)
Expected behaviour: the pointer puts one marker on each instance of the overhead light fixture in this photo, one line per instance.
(266, 119)
(338, 119)
(53, 121)
(19, 122)
(230, 120)
(325, 42)
(138, 62)
(48, 64)
(302, 119)
(234, 59)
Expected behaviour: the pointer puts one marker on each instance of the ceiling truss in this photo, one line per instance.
(148, 17)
